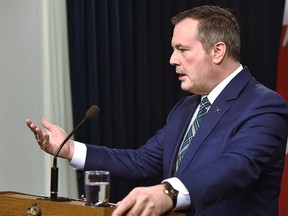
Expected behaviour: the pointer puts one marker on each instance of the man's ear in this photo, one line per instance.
(218, 52)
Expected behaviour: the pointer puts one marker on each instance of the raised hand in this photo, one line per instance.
(50, 139)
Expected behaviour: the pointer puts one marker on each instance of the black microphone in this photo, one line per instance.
(91, 112)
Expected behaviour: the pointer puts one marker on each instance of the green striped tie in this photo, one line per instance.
(204, 106)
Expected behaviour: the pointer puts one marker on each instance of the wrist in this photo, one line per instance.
(171, 192)
(71, 150)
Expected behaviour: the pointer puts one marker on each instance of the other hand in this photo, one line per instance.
(150, 201)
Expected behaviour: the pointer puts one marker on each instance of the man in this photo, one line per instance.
(222, 157)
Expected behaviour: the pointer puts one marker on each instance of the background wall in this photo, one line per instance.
(21, 95)
(34, 82)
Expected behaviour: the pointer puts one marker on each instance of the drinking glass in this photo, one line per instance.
(97, 187)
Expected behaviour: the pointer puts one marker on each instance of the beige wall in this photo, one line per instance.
(21, 96)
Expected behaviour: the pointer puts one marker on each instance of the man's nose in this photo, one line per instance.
(173, 59)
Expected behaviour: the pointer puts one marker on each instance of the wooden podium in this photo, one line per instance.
(14, 203)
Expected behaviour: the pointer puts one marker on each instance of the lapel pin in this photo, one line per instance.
(218, 109)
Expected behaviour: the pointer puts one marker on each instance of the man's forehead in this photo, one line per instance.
(183, 33)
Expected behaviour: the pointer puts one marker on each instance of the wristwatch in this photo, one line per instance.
(171, 192)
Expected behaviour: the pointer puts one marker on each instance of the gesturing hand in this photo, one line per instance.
(50, 140)
(150, 201)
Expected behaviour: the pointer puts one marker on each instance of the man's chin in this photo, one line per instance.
(185, 87)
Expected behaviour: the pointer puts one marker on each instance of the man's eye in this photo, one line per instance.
(182, 49)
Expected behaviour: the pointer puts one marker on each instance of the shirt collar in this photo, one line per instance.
(219, 88)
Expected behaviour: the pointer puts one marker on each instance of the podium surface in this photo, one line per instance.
(14, 203)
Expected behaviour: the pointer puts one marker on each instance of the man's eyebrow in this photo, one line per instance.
(178, 46)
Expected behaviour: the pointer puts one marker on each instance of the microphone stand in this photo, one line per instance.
(54, 184)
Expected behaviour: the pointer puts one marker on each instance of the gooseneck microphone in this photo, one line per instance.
(91, 112)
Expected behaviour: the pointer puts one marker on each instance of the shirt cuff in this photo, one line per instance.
(79, 156)
(183, 198)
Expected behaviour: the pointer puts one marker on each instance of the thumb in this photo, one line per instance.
(47, 124)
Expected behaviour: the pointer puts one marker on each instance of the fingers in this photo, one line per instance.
(41, 137)
(45, 145)
(126, 206)
(144, 201)
(33, 127)
(123, 206)
(136, 203)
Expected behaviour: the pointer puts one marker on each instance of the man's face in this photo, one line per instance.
(193, 64)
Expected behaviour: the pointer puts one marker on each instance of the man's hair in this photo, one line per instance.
(215, 25)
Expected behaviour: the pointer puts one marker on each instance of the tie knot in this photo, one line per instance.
(205, 104)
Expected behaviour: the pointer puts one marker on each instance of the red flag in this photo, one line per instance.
(282, 89)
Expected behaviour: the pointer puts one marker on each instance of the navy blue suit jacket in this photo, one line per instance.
(233, 166)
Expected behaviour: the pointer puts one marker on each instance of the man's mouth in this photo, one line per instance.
(181, 75)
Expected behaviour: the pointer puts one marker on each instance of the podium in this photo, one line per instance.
(14, 203)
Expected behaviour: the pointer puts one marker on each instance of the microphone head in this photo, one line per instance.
(92, 111)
